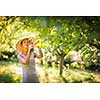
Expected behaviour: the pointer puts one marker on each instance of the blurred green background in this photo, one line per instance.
(70, 45)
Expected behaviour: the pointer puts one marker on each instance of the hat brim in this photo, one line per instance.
(18, 45)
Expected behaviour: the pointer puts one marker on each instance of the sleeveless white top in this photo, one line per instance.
(29, 74)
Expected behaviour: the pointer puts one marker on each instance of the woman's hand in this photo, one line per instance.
(34, 43)
(30, 47)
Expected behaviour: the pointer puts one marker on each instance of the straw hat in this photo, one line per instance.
(18, 45)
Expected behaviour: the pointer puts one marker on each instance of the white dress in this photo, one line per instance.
(29, 74)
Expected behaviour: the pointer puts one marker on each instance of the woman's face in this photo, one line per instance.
(25, 43)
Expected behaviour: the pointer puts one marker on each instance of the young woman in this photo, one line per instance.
(27, 59)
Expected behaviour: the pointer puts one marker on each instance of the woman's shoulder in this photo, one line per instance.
(21, 55)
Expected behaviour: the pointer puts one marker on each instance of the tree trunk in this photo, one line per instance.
(61, 65)
(41, 62)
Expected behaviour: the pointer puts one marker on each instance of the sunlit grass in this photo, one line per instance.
(10, 72)
(7, 73)
(51, 75)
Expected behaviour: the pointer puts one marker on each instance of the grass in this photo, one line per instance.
(10, 72)
(51, 75)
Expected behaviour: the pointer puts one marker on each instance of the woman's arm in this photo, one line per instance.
(22, 60)
(39, 54)
(26, 60)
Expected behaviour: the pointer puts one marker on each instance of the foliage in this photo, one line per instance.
(8, 32)
(57, 35)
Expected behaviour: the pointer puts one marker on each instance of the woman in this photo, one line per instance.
(27, 59)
